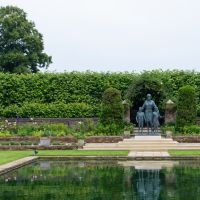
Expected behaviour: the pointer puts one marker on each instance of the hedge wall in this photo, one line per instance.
(80, 93)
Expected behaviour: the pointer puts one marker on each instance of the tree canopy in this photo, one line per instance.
(21, 45)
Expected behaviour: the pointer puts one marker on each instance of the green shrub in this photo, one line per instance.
(5, 133)
(168, 127)
(57, 143)
(108, 129)
(5, 143)
(26, 143)
(25, 130)
(112, 109)
(14, 143)
(193, 129)
(186, 107)
(129, 127)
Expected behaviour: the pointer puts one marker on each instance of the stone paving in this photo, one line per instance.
(148, 154)
(17, 163)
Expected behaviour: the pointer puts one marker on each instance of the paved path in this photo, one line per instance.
(148, 154)
(16, 164)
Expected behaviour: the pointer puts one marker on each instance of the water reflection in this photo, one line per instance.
(148, 184)
(99, 180)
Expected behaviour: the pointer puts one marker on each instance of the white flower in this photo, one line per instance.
(80, 122)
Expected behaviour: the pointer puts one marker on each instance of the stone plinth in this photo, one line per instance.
(151, 137)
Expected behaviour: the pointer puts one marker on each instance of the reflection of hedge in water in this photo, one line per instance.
(41, 90)
(95, 182)
(73, 180)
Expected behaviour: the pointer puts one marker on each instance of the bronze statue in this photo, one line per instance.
(140, 118)
(151, 115)
(156, 123)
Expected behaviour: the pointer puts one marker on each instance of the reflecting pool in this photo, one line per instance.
(103, 180)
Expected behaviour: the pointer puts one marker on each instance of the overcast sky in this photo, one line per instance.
(117, 35)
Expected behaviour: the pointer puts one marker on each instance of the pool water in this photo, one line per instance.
(103, 180)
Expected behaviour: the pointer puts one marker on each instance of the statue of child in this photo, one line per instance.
(156, 123)
(140, 117)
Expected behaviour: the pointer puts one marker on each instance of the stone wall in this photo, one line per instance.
(67, 121)
(31, 147)
(67, 139)
(187, 139)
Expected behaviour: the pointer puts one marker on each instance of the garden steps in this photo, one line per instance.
(148, 143)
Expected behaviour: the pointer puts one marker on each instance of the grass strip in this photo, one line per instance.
(9, 156)
(184, 152)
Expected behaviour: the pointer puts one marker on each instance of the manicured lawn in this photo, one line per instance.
(8, 156)
(82, 153)
(184, 152)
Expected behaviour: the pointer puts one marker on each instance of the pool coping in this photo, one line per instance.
(120, 157)
(5, 168)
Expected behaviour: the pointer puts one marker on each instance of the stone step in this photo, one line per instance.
(130, 145)
(147, 141)
(144, 149)
(145, 131)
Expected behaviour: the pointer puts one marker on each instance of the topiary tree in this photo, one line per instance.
(186, 106)
(111, 108)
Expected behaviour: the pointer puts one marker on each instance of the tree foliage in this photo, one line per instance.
(111, 108)
(21, 45)
(186, 107)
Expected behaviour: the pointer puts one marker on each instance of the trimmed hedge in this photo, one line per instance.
(186, 107)
(58, 110)
(112, 110)
(72, 88)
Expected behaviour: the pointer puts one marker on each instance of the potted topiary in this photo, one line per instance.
(128, 129)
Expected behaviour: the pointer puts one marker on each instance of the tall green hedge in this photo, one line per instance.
(43, 89)
(112, 109)
(186, 107)
(58, 110)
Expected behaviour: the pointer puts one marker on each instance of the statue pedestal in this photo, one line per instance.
(147, 137)
(147, 133)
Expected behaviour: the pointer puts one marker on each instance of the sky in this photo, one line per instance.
(117, 35)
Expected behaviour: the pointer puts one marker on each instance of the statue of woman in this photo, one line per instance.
(148, 107)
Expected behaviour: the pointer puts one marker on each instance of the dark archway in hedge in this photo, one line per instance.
(138, 90)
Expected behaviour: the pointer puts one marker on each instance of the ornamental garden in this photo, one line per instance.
(95, 103)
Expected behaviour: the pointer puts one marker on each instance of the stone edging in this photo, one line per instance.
(5, 168)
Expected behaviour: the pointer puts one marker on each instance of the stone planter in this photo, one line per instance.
(127, 133)
(81, 142)
(169, 134)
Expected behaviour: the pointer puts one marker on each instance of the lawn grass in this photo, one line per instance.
(8, 156)
(82, 153)
(184, 152)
